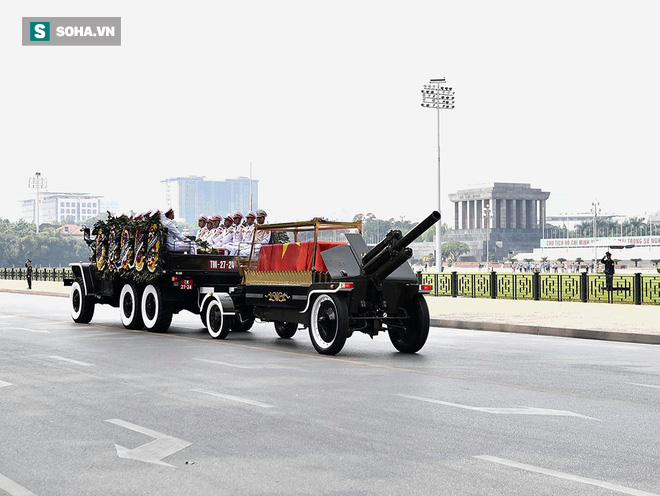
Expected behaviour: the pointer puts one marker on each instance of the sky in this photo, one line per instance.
(324, 99)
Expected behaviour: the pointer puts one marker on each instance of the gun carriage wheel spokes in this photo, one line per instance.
(328, 328)
(409, 334)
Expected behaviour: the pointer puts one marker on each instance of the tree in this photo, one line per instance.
(578, 260)
(635, 261)
(560, 259)
(544, 259)
(454, 249)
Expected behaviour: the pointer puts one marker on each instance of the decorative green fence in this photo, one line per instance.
(638, 289)
(38, 274)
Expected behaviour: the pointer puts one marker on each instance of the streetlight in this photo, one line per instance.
(436, 95)
(595, 209)
(37, 182)
(487, 222)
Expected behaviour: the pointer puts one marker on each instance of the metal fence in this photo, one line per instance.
(637, 289)
(38, 274)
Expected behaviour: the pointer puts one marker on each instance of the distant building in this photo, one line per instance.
(511, 216)
(57, 208)
(572, 220)
(194, 195)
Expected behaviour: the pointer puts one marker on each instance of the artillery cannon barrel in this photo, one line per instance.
(385, 257)
(418, 230)
(389, 237)
(392, 264)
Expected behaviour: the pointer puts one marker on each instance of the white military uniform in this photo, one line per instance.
(223, 237)
(246, 242)
(176, 241)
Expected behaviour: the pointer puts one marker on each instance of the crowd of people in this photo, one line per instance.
(232, 234)
(550, 267)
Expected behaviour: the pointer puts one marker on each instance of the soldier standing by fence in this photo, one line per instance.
(609, 270)
(28, 266)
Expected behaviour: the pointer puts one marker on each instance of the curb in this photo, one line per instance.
(31, 292)
(627, 337)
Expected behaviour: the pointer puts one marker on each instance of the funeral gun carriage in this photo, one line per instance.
(334, 288)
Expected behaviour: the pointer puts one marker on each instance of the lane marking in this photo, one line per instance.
(226, 364)
(42, 331)
(643, 385)
(234, 398)
(84, 364)
(5, 384)
(521, 410)
(563, 475)
(153, 451)
(13, 488)
(254, 367)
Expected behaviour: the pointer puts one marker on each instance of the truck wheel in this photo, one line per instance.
(156, 316)
(82, 307)
(217, 323)
(286, 330)
(240, 325)
(130, 309)
(410, 336)
(328, 328)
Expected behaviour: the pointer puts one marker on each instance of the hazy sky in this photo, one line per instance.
(324, 99)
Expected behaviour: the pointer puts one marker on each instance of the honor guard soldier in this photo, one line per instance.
(176, 242)
(263, 235)
(225, 234)
(247, 235)
(201, 224)
(233, 245)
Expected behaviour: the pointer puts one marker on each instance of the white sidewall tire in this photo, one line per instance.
(314, 323)
(150, 290)
(213, 306)
(127, 290)
(75, 287)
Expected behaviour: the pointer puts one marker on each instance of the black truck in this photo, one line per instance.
(331, 288)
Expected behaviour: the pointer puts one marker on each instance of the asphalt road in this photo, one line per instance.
(100, 410)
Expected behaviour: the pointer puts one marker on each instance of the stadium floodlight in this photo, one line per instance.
(437, 95)
(37, 182)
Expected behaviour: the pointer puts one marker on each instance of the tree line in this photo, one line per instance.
(51, 247)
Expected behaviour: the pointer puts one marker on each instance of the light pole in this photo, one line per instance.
(37, 182)
(487, 222)
(438, 96)
(595, 209)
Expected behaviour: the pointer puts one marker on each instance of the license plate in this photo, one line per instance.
(222, 264)
(186, 284)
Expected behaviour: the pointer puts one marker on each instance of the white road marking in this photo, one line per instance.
(85, 364)
(12, 488)
(152, 452)
(7, 316)
(521, 410)
(5, 384)
(644, 385)
(234, 398)
(563, 475)
(254, 367)
(32, 330)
